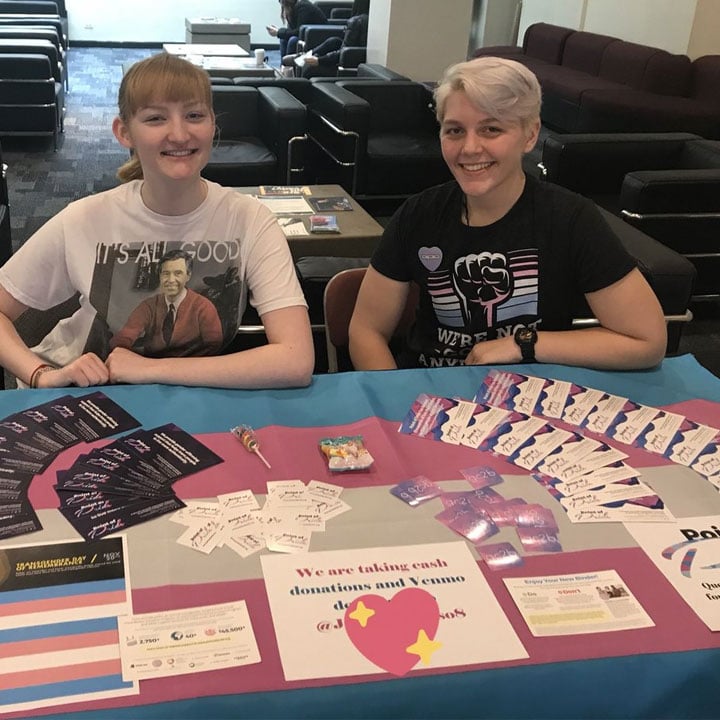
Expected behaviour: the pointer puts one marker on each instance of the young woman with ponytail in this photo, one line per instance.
(166, 254)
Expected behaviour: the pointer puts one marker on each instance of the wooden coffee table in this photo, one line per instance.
(359, 232)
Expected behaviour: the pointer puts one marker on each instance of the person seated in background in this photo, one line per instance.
(325, 58)
(295, 13)
(206, 248)
(500, 257)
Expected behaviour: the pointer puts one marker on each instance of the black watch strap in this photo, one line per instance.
(526, 337)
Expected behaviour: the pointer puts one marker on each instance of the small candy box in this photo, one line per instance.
(324, 224)
(346, 452)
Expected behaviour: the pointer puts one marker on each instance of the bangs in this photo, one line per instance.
(164, 78)
(502, 88)
(494, 98)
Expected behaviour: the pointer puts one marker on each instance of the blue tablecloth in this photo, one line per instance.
(346, 397)
(667, 685)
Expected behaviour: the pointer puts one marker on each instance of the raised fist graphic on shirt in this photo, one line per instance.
(483, 279)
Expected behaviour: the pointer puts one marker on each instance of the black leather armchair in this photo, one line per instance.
(29, 101)
(310, 36)
(36, 46)
(329, 7)
(30, 7)
(30, 32)
(338, 15)
(259, 130)
(382, 136)
(665, 184)
(45, 8)
(53, 21)
(375, 71)
(350, 59)
(299, 88)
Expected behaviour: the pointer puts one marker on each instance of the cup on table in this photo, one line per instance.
(260, 57)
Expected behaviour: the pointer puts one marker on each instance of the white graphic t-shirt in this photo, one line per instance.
(129, 265)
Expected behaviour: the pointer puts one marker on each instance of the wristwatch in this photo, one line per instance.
(526, 337)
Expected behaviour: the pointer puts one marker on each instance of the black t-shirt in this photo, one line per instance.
(531, 267)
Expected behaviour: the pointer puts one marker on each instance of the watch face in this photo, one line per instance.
(525, 335)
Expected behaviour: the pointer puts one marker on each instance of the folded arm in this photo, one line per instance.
(286, 361)
(18, 359)
(378, 310)
(632, 334)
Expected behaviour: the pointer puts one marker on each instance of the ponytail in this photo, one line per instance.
(130, 170)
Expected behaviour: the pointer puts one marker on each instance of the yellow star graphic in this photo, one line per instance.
(424, 647)
(361, 613)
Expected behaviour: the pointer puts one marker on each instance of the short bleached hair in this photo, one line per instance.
(502, 88)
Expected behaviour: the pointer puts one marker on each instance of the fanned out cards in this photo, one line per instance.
(31, 439)
(510, 416)
(108, 488)
(617, 418)
(130, 480)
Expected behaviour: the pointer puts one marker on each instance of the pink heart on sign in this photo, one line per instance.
(430, 257)
(383, 630)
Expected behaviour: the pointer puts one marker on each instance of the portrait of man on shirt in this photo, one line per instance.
(175, 322)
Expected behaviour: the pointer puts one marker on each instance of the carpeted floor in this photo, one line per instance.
(41, 182)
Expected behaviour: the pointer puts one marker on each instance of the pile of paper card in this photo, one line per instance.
(291, 513)
(129, 480)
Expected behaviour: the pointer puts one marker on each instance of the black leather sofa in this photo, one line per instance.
(330, 6)
(310, 36)
(300, 87)
(670, 275)
(375, 71)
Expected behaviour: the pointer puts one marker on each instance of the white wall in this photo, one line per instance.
(568, 13)
(379, 32)
(689, 27)
(499, 22)
(158, 21)
(705, 36)
(666, 24)
(419, 38)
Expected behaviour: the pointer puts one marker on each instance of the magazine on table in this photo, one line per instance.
(338, 203)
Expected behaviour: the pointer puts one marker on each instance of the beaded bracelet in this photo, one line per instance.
(38, 371)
